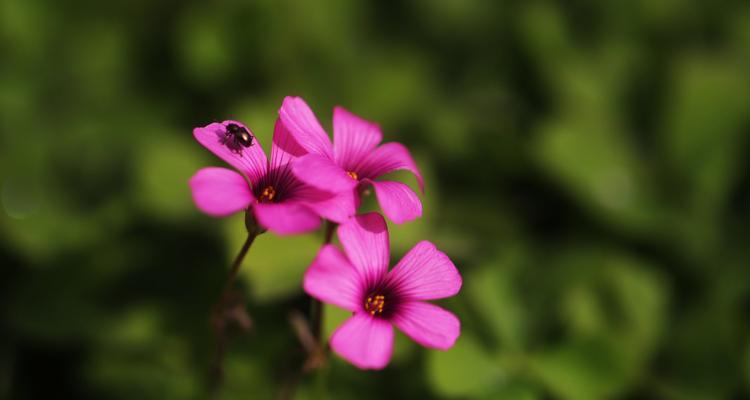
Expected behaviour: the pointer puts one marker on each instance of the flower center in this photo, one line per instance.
(375, 304)
(267, 194)
(353, 175)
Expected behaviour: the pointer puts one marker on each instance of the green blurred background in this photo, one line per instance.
(586, 166)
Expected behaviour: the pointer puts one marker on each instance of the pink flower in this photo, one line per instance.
(359, 281)
(279, 201)
(354, 160)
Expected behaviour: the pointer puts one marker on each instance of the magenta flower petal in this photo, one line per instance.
(286, 218)
(428, 324)
(337, 207)
(332, 278)
(354, 154)
(285, 149)
(323, 173)
(388, 158)
(364, 341)
(251, 160)
(353, 137)
(361, 283)
(426, 273)
(398, 202)
(365, 240)
(220, 192)
(299, 118)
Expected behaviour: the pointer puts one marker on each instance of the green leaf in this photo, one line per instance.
(465, 370)
(704, 134)
(492, 290)
(593, 160)
(614, 309)
(582, 370)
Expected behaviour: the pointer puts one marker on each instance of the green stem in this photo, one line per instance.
(316, 307)
(219, 317)
(316, 319)
(320, 384)
(330, 229)
(317, 329)
(234, 271)
(316, 358)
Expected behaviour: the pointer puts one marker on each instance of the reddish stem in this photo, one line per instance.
(222, 314)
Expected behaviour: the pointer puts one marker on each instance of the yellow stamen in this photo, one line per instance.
(374, 305)
(267, 194)
(353, 175)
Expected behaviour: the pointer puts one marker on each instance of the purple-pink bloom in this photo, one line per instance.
(358, 280)
(354, 160)
(279, 201)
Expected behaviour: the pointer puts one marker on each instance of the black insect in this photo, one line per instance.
(236, 138)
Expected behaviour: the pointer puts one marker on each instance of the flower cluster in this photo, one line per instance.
(309, 178)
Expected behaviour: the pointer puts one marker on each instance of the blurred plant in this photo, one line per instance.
(289, 194)
(271, 197)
